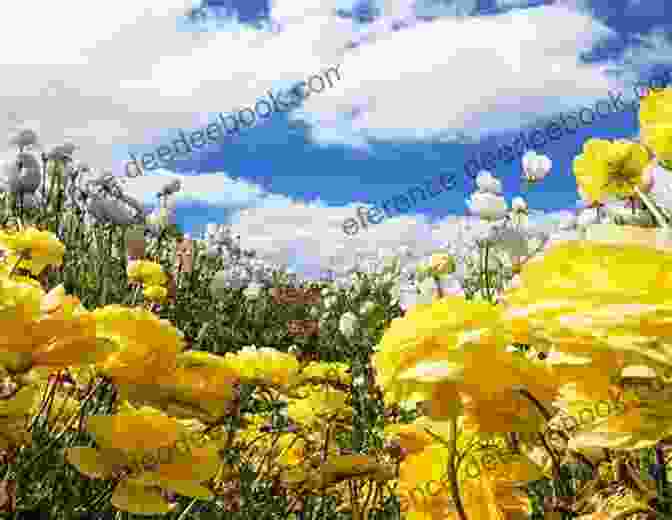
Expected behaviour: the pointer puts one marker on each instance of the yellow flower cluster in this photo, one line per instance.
(655, 120)
(580, 301)
(31, 249)
(151, 275)
(165, 394)
(263, 365)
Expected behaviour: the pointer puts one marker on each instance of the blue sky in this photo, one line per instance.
(426, 84)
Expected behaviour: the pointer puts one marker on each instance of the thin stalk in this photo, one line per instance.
(60, 435)
(22, 257)
(438, 286)
(651, 206)
(452, 469)
(183, 514)
(487, 278)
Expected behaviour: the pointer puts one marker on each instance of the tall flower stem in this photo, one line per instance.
(452, 469)
(439, 289)
(486, 273)
(652, 208)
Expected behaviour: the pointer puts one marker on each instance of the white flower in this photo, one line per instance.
(62, 152)
(212, 252)
(405, 251)
(488, 206)
(211, 228)
(24, 138)
(171, 187)
(253, 290)
(487, 183)
(132, 169)
(535, 167)
(518, 204)
(347, 324)
(21, 175)
(587, 217)
(330, 301)
(223, 237)
(567, 221)
(108, 210)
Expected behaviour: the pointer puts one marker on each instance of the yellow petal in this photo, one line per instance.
(94, 463)
(133, 432)
(140, 500)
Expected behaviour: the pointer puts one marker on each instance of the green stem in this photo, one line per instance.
(438, 286)
(650, 205)
(183, 514)
(454, 488)
(486, 274)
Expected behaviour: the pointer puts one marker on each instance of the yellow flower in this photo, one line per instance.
(146, 272)
(292, 450)
(423, 481)
(427, 345)
(48, 330)
(442, 264)
(583, 298)
(610, 168)
(147, 345)
(138, 435)
(332, 372)
(205, 393)
(344, 467)
(655, 121)
(15, 412)
(319, 403)
(35, 248)
(155, 293)
(64, 411)
(266, 365)
(413, 437)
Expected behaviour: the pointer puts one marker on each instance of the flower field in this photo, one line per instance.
(146, 373)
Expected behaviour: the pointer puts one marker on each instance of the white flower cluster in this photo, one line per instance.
(487, 201)
(98, 196)
(535, 166)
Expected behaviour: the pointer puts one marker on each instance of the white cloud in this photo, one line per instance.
(528, 69)
(215, 189)
(312, 234)
(512, 3)
(123, 75)
(116, 77)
